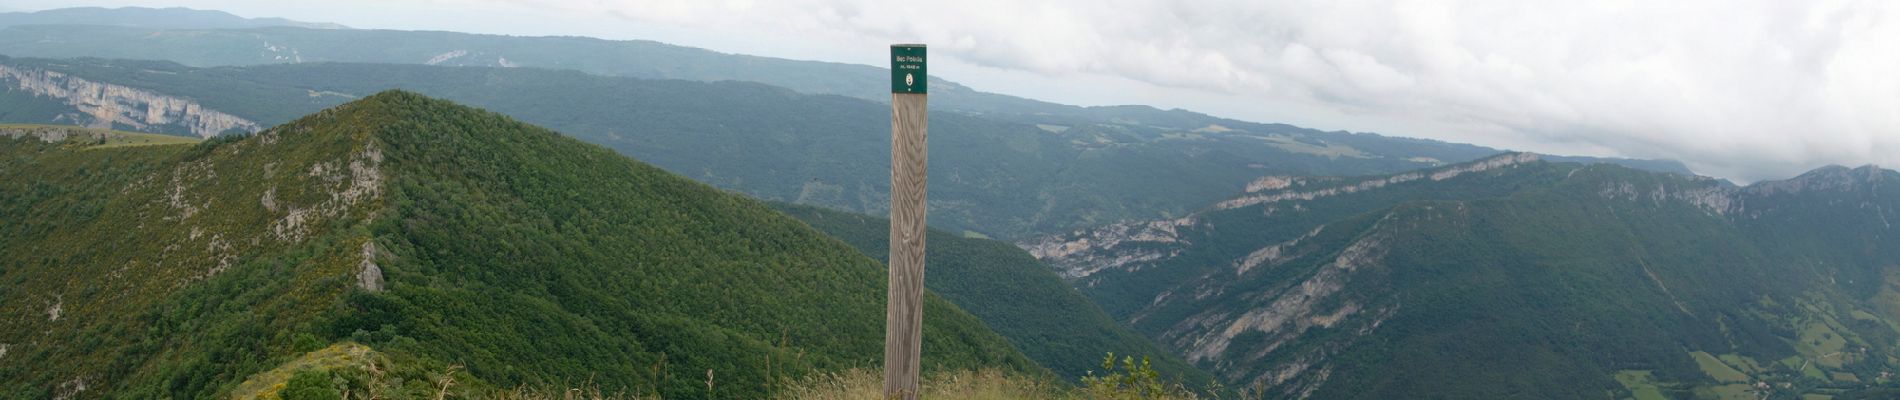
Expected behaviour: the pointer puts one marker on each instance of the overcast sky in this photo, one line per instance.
(1744, 90)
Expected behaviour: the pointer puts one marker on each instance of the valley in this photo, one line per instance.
(197, 204)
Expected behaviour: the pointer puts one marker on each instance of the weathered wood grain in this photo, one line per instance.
(904, 314)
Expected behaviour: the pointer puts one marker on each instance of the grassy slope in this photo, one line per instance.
(102, 138)
(1013, 292)
(527, 257)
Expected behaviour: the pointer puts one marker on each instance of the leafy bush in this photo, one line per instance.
(311, 384)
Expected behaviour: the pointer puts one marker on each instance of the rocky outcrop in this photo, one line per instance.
(1711, 198)
(1830, 178)
(51, 134)
(1291, 310)
(369, 276)
(1088, 251)
(1272, 255)
(1276, 189)
(106, 106)
(360, 180)
(1274, 182)
(1716, 198)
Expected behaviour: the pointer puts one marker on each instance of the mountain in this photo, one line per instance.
(1513, 277)
(655, 60)
(397, 245)
(1019, 297)
(156, 18)
(1003, 175)
(648, 59)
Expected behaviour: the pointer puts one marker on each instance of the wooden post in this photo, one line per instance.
(904, 310)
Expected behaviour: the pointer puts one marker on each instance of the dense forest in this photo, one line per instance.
(455, 244)
(1583, 279)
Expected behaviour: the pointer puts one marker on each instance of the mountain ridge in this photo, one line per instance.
(1339, 288)
(1075, 172)
(437, 235)
(169, 17)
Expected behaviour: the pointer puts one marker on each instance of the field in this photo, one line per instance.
(111, 138)
(1717, 369)
(1641, 385)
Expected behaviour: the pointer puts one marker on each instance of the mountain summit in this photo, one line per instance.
(400, 238)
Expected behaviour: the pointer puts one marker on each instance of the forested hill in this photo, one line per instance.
(398, 242)
(999, 175)
(1513, 277)
(153, 18)
(1015, 294)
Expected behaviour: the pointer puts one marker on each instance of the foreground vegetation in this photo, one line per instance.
(1118, 379)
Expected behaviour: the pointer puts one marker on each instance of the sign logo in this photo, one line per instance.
(908, 74)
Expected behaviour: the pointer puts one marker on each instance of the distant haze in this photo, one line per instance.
(1745, 90)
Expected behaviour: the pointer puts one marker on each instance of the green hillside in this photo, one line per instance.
(466, 250)
(1008, 289)
(1002, 176)
(1518, 278)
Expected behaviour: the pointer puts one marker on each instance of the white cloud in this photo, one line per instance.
(1747, 89)
(1740, 89)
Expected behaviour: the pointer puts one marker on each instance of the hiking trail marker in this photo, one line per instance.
(904, 310)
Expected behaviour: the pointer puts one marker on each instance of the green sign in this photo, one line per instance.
(907, 69)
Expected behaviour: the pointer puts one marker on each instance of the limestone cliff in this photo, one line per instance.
(105, 105)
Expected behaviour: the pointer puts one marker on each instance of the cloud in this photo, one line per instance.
(1745, 89)
(1740, 89)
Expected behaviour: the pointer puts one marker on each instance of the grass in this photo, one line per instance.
(130, 139)
(1717, 369)
(1642, 385)
(267, 384)
(1821, 343)
(868, 384)
(985, 384)
(1734, 391)
(1740, 362)
(1844, 377)
(113, 138)
(1329, 150)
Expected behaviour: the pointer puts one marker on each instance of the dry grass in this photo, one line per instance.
(267, 384)
(567, 394)
(862, 384)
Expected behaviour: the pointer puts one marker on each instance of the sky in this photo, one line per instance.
(1739, 89)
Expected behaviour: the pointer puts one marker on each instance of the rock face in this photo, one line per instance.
(1271, 288)
(1277, 188)
(1134, 244)
(369, 276)
(106, 106)
(1085, 252)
